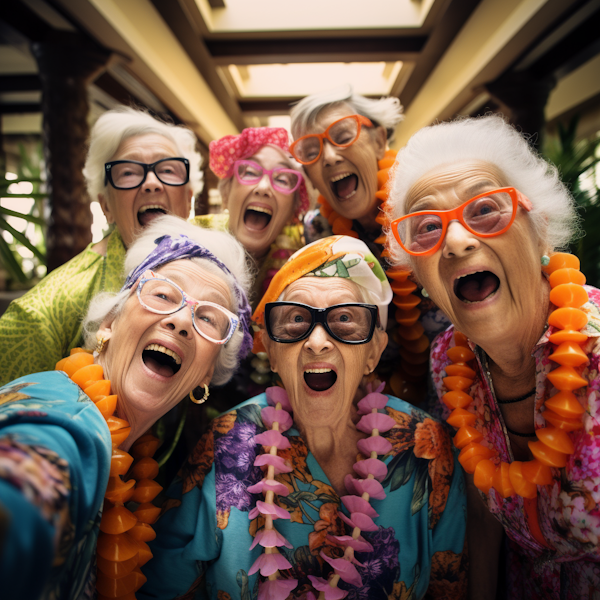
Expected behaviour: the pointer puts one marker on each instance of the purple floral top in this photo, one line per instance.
(568, 511)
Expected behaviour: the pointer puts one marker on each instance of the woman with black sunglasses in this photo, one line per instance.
(309, 488)
(138, 168)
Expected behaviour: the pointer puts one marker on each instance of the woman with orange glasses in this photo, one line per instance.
(477, 216)
(341, 139)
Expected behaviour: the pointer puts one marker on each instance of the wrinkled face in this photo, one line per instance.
(347, 177)
(487, 287)
(133, 209)
(257, 213)
(320, 374)
(152, 360)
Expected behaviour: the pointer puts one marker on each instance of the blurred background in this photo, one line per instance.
(221, 65)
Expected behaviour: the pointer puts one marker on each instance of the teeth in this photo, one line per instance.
(472, 273)
(159, 348)
(150, 207)
(261, 209)
(339, 177)
(317, 371)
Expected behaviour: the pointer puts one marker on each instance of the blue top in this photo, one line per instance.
(204, 535)
(55, 455)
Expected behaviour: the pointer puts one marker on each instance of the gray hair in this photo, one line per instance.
(220, 243)
(386, 112)
(119, 124)
(492, 140)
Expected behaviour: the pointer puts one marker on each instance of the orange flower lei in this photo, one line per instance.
(122, 547)
(563, 411)
(410, 335)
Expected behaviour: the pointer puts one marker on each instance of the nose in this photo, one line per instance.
(458, 241)
(152, 183)
(318, 341)
(331, 155)
(180, 322)
(263, 187)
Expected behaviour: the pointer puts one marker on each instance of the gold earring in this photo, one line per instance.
(203, 399)
(100, 345)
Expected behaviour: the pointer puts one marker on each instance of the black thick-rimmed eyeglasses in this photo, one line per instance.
(129, 174)
(289, 322)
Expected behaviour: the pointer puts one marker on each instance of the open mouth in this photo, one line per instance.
(161, 360)
(344, 186)
(257, 218)
(476, 287)
(320, 380)
(146, 214)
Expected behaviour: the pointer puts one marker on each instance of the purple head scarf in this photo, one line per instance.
(169, 249)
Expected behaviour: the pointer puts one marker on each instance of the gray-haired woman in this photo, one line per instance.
(477, 216)
(180, 322)
(138, 168)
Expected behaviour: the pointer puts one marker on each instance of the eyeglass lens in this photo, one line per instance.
(343, 133)
(347, 323)
(165, 298)
(283, 180)
(128, 175)
(490, 214)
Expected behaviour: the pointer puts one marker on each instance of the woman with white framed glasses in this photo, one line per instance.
(277, 478)
(75, 444)
(138, 168)
(478, 216)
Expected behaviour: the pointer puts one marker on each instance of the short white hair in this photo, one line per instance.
(124, 122)
(492, 140)
(222, 244)
(386, 112)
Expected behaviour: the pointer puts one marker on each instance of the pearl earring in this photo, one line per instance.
(545, 260)
(424, 293)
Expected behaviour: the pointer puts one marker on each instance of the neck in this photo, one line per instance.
(368, 221)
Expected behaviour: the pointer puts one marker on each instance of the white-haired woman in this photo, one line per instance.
(138, 168)
(341, 139)
(68, 437)
(477, 216)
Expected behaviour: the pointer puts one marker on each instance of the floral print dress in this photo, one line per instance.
(204, 535)
(568, 565)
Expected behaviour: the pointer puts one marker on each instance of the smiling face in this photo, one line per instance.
(257, 212)
(488, 287)
(152, 360)
(347, 177)
(133, 209)
(320, 374)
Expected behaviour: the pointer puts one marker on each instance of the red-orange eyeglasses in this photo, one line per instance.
(487, 215)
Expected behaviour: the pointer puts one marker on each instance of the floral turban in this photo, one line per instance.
(224, 152)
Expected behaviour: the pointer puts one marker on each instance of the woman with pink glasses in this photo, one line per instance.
(477, 216)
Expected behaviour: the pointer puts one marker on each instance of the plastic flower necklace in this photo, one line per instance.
(563, 411)
(371, 472)
(122, 547)
(409, 334)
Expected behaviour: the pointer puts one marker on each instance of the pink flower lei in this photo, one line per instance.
(371, 472)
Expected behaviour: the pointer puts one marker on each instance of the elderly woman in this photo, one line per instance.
(340, 138)
(179, 323)
(476, 215)
(264, 489)
(138, 168)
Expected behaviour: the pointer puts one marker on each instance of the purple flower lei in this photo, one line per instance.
(169, 249)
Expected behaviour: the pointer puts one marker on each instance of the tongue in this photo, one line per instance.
(256, 220)
(345, 187)
(320, 381)
(476, 289)
(153, 365)
(148, 216)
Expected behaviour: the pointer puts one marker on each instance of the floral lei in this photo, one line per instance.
(371, 471)
(121, 548)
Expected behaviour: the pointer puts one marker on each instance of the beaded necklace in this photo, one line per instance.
(371, 471)
(409, 334)
(121, 548)
(563, 411)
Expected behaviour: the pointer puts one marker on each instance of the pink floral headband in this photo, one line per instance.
(224, 153)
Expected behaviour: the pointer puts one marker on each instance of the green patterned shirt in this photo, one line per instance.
(42, 326)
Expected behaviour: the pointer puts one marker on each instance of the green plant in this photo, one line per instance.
(577, 162)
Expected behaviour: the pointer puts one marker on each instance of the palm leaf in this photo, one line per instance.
(10, 263)
(27, 217)
(21, 238)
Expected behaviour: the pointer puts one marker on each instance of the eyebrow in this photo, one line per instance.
(468, 193)
(207, 294)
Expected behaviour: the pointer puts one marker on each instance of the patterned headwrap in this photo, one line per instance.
(335, 256)
(169, 249)
(224, 152)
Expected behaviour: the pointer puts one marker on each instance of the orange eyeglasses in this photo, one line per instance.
(487, 215)
(342, 133)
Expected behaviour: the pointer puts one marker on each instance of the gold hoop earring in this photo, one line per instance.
(203, 399)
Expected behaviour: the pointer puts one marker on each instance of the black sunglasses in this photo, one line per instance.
(289, 322)
(129, 174)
